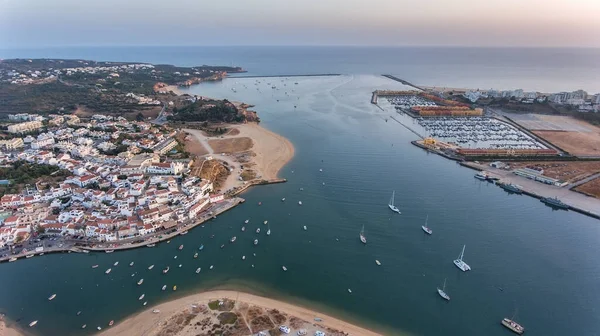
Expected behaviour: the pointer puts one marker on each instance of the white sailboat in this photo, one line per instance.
(443, 293)
(363, 239)
(463, 266)
(425, 227)
(391, 204)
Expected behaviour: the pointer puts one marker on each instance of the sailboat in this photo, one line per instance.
(443, 293)
(512, 325)
(363, 239)
(460, 263)
(425, 227)
(391, 205)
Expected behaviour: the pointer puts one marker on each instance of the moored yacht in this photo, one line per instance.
(150, 267)
(442, 292)
(233, 239)
(258, 230)
(141, 297)
(33, 323)
(108, 271)
(140, 282)
(463, 266)
(425, 228)
(284, 268)
(198, 270)
(363, 238)
(166, 270)
(513, 326)
(391, 204)
(51, 297)
(255, 241)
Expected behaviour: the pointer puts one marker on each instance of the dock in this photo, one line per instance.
(577, 202)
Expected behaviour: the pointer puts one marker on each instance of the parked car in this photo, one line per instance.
(284, 329)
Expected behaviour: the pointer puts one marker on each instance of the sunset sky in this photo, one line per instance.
(31, 23)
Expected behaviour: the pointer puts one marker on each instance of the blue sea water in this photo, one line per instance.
(524, 255)
(533, 69)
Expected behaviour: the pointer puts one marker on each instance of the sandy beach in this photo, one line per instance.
(269, 151)
(186, 315)
(5, 331)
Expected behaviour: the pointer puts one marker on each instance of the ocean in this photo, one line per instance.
(526, 258)
(532, 69)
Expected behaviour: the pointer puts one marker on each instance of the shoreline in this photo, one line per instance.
(147, 323)
(6, 330)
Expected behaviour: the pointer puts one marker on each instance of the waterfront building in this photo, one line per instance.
(537, 176)
(24, 127)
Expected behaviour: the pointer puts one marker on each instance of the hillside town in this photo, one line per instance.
(580, 99)
(124, 179)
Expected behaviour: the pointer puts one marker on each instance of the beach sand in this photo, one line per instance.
(255, 313)
(5, 331)
(269, 152)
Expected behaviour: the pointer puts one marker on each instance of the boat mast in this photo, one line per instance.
(392, 200)
(426, 219)
(444, 288)
(462, 253)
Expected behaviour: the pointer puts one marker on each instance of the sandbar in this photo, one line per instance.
(195, 308)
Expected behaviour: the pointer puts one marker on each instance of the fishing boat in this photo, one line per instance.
(33, 323)
(116, 263)
(198, 270)
(108, 271)
(299, 202)
(246, 221)
(164, 287)
(201, 247)
(150, 267)
(151, 245)
(377, 262)
(391, 204)
(425, 227)
(141, 297)
(283, 199)
(110, 324)
(233, 239)
(243, 228)
(140, 282)
(180, 247)
(195, 255)
(255, 241)
(460, 263)
(362, 236)
(131, 264)
(12, 259)
(442, 292)
(94, 266)
(166, 270)
(284, 268)
(258, 230)
(183, 233)
(512, 325)
(174, 288)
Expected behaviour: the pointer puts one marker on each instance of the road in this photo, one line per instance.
(585, 180)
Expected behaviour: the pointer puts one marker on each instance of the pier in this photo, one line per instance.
(577, 202)
(403, 82)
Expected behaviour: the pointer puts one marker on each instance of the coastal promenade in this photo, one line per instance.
(577, 202)
(132, 243)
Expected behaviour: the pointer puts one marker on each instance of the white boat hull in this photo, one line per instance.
(427, 230)
(393, 208)
(462, 265)
(443, 294)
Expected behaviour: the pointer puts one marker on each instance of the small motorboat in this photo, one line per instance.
(201, 247)
(299, 202)
(243, 257)
(174, 288)
(145, 303)
(111, 323)
(175, 257)
(94, 266)
(265, 222)
(33, 323)
(181, 247)
(108, 271)
(79, 313)
(255, 241)
(195, 255)
(246, 221)
(183, 233)
(141, 297)
(116, 263)
(284, 268)
(141, 281)
(283, 199)
(109, 251)
(166, 270)
(150, 267)
(180, 265)
(99, 328)
(29, 256)
(233, 239)
(258, 230)
(198, 270)
(243, 228)
(164, 287)
(377, 262)
(259, 203)
(150, 245)
(83, 326)
(268, 232)
(222, 246)
(211, 267)
(304, 227)
(131, 264)
(349, 290)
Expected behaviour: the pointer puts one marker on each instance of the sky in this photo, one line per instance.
(520, 23)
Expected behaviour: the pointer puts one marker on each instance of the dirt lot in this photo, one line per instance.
(232, 145)
(564, 171)
(192, 145)
(591, 188)
(576, 143)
